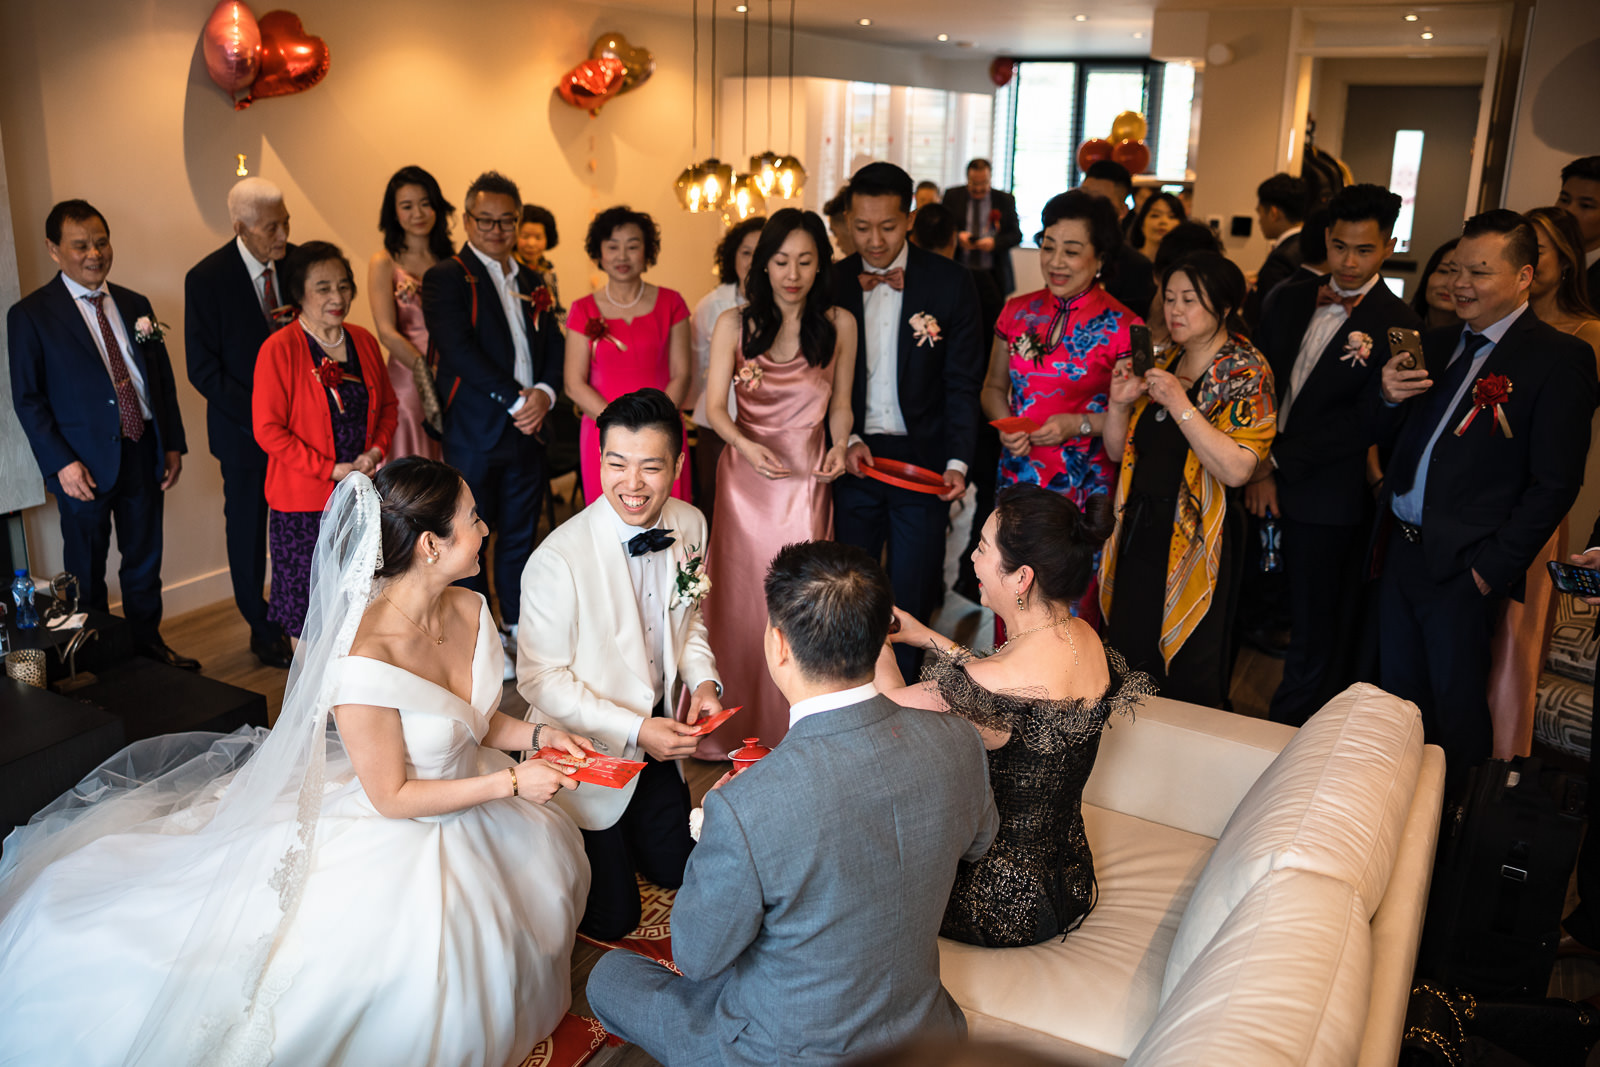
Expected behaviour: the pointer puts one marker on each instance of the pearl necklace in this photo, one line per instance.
(619, 305)
(306, 326)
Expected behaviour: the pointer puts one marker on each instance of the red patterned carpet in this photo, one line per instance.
(576, 1040)
(653, 938)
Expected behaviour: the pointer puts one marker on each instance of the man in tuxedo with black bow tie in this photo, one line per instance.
(1489, 447)
(233, 301)
(919, 367)
(93, 390)
(604, 640)
(1327, 342)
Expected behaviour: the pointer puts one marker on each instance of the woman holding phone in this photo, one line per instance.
(1051, 363)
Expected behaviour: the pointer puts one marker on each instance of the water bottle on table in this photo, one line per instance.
(22, 593)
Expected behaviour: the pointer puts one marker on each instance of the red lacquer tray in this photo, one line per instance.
(905, 475)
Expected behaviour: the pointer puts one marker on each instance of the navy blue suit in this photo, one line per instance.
(68, 408)
(224, 327)
(504, 468)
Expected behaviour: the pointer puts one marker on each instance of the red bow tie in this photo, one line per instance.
(1326, 296)
(870, 281)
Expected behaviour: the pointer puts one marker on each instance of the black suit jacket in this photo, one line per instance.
(1321, 456)
(939, 383)
(477, 361)
(1279, 265)
(63, 393)
(1594, 283)
(223, 330)
(1007, 235)
(1492, 502)
(1130, 277)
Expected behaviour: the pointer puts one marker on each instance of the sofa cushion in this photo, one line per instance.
(1563, 714)
(1286, 980)
(1100, 986)
(1334, 802)
(1573, 641)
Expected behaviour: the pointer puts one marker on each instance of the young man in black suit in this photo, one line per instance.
(93, 389)
(1281, 210)
(500, 359)
(919, 367)
(233, 301)
(986, 231)
(1489, 447)
(1327, 343)
(1580, 194)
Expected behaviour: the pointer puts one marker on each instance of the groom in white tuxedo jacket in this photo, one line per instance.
(603, 642)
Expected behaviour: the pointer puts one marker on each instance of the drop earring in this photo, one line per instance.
(1020, 604)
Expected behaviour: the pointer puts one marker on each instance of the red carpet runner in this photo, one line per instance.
(576, 1040)
(653, 938)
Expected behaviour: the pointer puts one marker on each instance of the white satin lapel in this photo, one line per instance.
(611, 561)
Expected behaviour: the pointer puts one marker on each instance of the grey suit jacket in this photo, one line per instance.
(821, 879)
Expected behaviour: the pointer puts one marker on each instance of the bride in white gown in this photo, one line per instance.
(373, 882)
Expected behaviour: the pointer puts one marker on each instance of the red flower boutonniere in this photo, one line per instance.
(330, 376)
(994, 218)
(1490, 391)
(596, 331)
(542, 300)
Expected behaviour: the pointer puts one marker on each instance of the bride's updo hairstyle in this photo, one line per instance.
(1043, 530)
(419, 496)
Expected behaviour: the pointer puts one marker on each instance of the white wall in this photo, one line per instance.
(109, 100)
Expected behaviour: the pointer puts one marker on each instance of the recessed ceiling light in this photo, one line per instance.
(1411, 18)
(944, 37)
(863, 22)
(742, 8)
(1427, 35)
(1080, 18)
(1138, 36)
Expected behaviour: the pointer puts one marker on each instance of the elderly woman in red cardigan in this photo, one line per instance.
(322, 407)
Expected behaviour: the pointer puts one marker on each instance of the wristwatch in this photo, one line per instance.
(1187, 415)
(1085, 428)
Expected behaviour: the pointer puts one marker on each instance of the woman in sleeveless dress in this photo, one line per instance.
(374, 881)
(415, 220)
(1039, 702)
(790, 358)
(628, 336)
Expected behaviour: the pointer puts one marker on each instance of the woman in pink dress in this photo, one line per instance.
(415, 220)
(790, 359)
(629, 335)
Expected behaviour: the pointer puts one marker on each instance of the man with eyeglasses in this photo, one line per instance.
(500, 354)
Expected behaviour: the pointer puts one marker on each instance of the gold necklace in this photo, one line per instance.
(436, 640)
(1047, 626)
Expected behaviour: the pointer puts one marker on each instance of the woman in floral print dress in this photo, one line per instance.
(1053, 355)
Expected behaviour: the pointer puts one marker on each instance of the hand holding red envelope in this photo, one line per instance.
(1015, 424)
(593, 768)
(706, 725)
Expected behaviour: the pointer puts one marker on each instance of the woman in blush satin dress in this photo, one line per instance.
(415, 220)
(791, 359)
(630, 335)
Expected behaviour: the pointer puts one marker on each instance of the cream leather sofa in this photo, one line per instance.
(1261, 895)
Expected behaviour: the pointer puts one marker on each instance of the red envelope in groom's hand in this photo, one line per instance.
(593, 768)
(705, 726)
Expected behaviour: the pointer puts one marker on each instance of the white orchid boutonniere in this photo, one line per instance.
(925, 328)
(147, 328)
(1027, 346)
(691, 583)
(749, 375)
(1357, 348)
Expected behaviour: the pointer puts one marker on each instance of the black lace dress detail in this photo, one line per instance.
(1037, 879)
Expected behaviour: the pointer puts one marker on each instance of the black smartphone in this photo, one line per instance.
(1144, 354)
(1577, 581)
(1408, 343)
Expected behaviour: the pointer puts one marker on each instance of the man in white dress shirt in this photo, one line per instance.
(604, 640)
(920, 365)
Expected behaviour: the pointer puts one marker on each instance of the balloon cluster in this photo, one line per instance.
(1126, 144)
(273, 56)
(614, 67)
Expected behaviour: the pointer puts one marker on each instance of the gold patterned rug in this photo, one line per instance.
(653, 938)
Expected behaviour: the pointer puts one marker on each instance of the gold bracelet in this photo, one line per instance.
(513, 771)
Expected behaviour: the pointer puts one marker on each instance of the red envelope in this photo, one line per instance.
(594, 768)
(705, 726)
(1015, 424)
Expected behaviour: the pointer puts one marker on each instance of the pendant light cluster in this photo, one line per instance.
(712, 185)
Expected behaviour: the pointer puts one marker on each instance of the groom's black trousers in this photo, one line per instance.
(652, 838)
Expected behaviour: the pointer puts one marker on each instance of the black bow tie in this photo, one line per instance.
(650, 541)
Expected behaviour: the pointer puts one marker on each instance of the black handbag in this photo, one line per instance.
(1450, 1028)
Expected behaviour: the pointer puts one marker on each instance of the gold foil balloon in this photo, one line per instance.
(231, 42)
(1128, 126)
(637, 63)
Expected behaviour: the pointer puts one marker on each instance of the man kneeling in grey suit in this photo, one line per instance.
(807, 923)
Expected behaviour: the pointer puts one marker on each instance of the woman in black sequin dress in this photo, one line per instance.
(1039, 702)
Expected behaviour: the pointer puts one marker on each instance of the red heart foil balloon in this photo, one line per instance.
(1092, 151)
(292, 60)
(592, 82)
(231, 42)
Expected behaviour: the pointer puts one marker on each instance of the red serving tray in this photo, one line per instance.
(705, 726)
(1015, 424)
(595, 769)
(905, 475)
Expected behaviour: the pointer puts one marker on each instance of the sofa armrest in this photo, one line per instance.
(1397, 924)
(1182, 765)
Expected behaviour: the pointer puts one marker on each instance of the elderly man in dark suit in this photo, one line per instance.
(986, 231)
(1489, 446)
(94, 393)
(919, 368)
(233, 300)
(500, 360)
(1327, 343)
(807, 927)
